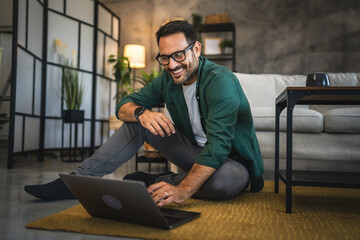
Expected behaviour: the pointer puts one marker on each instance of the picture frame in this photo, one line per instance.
(211, 45)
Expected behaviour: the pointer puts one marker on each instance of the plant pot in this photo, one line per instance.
(74, 116)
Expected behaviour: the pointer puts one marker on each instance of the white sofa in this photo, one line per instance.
(324, 137)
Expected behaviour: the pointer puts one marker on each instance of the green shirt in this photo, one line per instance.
(224, 111)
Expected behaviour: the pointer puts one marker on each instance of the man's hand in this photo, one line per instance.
(164, 193)
(157, 123)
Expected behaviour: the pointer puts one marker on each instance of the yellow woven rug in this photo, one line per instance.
(318, 213)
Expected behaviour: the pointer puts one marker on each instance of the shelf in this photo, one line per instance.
(4, 119)
(219, 57)
(323, 179)
(5, 98)
(222, 27)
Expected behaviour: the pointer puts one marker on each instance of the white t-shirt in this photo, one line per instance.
(194, 113)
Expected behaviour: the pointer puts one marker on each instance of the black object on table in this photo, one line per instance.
(290, 97)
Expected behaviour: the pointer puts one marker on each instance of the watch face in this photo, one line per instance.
(138, 112)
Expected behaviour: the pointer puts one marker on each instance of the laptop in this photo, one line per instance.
(123, 200)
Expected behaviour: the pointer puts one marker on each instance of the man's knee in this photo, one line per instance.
(229, 186)
(225, 183)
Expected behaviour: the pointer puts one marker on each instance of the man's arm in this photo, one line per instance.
(126, 112)
(165, 193)
(155, 122)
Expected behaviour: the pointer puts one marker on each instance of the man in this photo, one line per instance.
(210, 136)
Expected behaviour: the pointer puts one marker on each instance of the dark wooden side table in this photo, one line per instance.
(290, 97)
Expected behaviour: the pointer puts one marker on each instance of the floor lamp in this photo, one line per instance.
(136, 55)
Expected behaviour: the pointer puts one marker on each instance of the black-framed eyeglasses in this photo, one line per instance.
(178, 56)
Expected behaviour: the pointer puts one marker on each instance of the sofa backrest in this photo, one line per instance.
(262, 89)
(344, 79)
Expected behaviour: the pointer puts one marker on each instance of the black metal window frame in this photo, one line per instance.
(45, 63)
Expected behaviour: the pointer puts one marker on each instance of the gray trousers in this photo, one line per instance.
(227, 181)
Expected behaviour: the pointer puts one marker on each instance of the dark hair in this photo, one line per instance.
(177, 27)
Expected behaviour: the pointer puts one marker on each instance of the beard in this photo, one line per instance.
(188, 72)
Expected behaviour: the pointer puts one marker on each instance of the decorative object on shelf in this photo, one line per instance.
(174, 19)
(212, 45)
(217, 18)
(226, 46)
(318, 79)
(121, 73)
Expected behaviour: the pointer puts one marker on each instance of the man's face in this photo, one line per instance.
(184, 72)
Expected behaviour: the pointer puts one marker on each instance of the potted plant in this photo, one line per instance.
(146, 78)
(73, 90)
(72, 86)
(121, 72)
(226, 46)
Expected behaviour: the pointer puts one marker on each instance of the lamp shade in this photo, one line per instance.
(136, 55)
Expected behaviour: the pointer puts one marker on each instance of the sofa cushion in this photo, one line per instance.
(304, 120)
(345, 120)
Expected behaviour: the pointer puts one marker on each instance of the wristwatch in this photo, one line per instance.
(138, 112)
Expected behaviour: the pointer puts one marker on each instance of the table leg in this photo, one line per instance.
(277, 146)
(289, 159)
